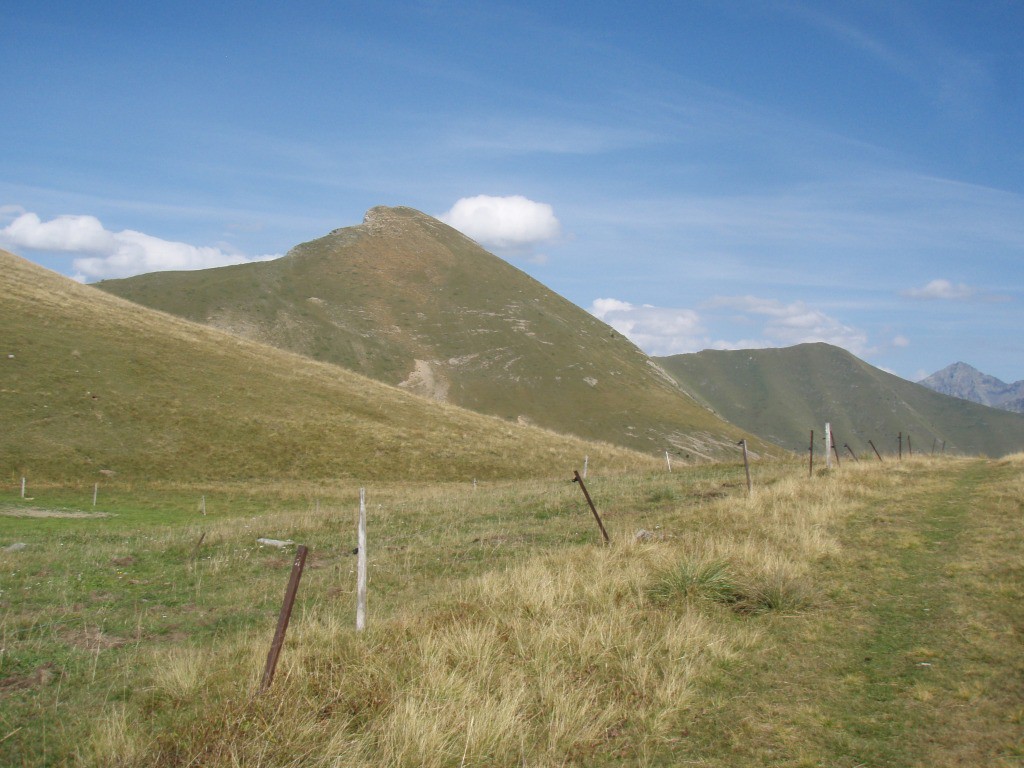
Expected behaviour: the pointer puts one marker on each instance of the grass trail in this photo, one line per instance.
(915, 658)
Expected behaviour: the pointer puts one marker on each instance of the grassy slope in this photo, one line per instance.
(91, 382)
(782, 394)
(404, 287)
(867, 616)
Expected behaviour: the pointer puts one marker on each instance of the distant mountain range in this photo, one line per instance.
(963, 381)
(782, 394)
(295, 368)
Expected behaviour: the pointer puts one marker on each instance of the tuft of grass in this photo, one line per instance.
(692, 580)
(772, 589)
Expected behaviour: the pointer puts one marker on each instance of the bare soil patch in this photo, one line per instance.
(40, 512)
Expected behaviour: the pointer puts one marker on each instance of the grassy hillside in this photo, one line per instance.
(92, 383)
(782, 394)
(865, 616)
(410, 301)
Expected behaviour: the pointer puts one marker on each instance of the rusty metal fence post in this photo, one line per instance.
(875, 450)
(286, 614)
(810, 460)
(578, 479)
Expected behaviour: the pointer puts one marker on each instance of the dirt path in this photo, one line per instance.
(915, 655)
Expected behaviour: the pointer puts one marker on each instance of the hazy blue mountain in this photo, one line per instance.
(963, 381)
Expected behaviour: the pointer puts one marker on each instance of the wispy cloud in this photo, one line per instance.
(852, 35)
(106, 254)
(941, 289)
(750, 321)
(520, 136)
(794, 323)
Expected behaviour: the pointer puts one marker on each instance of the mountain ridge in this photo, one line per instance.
(781, 394)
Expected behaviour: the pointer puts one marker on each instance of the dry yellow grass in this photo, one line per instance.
(785, 628)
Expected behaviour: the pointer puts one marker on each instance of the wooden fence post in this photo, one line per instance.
(828, 447)
(283, 619)
(578, 479)
(810, 461)
(847, 447)
(746, 466)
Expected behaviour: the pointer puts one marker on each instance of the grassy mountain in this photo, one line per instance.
(410, 301)
(91, 382)
(782, 394)
(963, 381)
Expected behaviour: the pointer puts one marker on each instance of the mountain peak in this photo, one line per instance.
(410, 301)
(384, 213)
(968, 383)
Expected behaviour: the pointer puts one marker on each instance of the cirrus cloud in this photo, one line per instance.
(514, 222)
(941, 289)
(106, 254)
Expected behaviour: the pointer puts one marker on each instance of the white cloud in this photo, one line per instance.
(901, 342)
(74, 234)
(941, 289)
(795, 323)
(656, 330)
(513, 222)
(664, 331)
(107, 254)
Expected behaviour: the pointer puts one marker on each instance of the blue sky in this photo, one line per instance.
(699, 174)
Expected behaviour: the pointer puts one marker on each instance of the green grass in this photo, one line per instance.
(864, 617)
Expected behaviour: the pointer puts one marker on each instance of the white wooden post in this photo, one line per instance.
(828, 445)
(586, 460)
(95, 492)
(202, 504)
(746, 466)
(668, 461)
(23, 487)
(361, 568)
